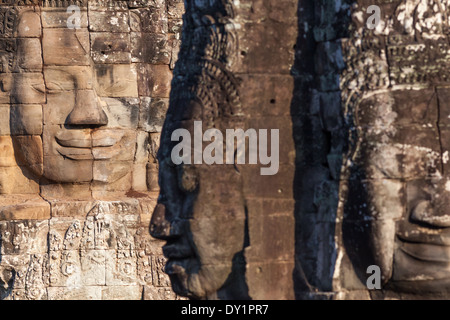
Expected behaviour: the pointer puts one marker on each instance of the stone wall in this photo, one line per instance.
(80, 115)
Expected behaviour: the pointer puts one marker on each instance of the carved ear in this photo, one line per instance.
(7, 278)
(5, 84)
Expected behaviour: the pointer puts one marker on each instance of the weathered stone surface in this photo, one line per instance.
(230, 74)
(19, 237)
(30, 57)
(153, 112)
(75, 205)
(142, 147)
(58, 18)
(152, 20)
(122, 293)
(7, 157)
(28, 88)
(175, 9)
(66, 47)
(66, 78)
(154, 80)
(23, 207)
(110, 47)
(150, 48)
(17, 180)
(28, 152)
(122, 112)
(6, 82)
(109, 21)
(152, 177)
(29, 25)
(116, 80)
(26, 119)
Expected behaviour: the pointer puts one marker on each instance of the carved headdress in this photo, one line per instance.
(409, 47)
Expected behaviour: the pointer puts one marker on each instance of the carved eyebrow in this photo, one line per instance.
(51, 85)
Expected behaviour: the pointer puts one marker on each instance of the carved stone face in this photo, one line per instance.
(87, 117)
(399, 189)
(202, 217)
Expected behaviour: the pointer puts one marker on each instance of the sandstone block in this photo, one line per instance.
(154, 80)
(271, 281)
(175, 9)
(152, 177)
(93, 267)
(152, 293)
(23, 237)
(58, 18)
(110, 47)
(122, 112)
(152, 20)
(121, 268)
(119, 80)
(4, 120)
(83, 293)
(17, 180)
(58, 191)
(147, 207)
(28, 151)
(153, 113)
(150, 48)
(28, 88)
(139, 182)
(66, 47)
(122, 293)
(111, 171)
(60, 169)
(123, 148)
(109, 21)
(29, 25)
(7, 153)
(26, 119)
(142, 147)
(23, 207)
(66, 78)
(29, 55)
(6, 83)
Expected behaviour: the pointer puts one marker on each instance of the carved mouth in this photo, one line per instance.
(427, 252)
(82, 146)
(177, 251)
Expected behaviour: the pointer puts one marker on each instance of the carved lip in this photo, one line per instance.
(82, 146)
(413, 233)
(427, 252)
(177, 251)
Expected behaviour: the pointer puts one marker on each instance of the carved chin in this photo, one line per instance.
(60, 169)
(200, 285)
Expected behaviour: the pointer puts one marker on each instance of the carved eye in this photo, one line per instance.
(38, 87)
(53, 87)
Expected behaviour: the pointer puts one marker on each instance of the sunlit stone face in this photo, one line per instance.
(80, 115)
(397, 214)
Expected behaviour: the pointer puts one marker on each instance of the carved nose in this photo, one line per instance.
(159, 225)
(87, 110)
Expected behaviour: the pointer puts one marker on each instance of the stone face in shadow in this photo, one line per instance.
(223, 222)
